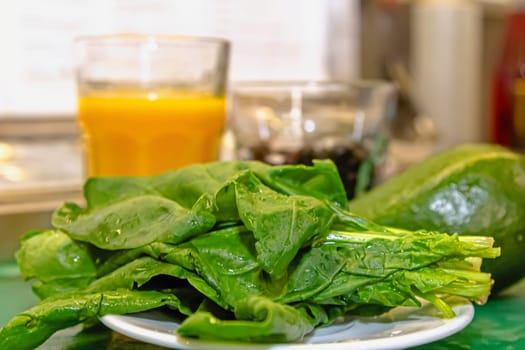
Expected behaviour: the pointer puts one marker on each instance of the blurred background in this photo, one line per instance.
(441, 55)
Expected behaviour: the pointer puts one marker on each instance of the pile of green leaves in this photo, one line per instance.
(241, 250)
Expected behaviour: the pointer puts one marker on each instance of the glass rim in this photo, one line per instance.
(131, 39)
(309, 85)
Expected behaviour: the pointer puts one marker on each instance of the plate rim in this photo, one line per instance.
(464, 315)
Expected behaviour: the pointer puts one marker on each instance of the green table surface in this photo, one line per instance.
(499, 324)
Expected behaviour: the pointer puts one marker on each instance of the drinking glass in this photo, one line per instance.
(150, 103)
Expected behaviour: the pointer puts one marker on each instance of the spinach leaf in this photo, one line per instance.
(185, 185)
(188, 184)
(59, 263)
(257, 319)
(31, 328)
(281, 224)
(132, 222)
(137, 273)
(312, 272)
(102, 191)
(320, 181)
(226, 261)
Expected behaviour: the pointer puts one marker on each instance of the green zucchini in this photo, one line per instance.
(475, 189)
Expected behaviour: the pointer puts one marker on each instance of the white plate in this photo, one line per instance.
(402, 327)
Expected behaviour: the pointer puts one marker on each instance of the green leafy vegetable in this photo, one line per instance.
(256, 318)
(58, 262)
(132, 222)
(33, 327)
(241, 250)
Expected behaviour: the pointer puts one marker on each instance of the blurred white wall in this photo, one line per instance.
(271, 40)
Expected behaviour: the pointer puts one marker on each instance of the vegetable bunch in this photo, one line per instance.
(240, 250)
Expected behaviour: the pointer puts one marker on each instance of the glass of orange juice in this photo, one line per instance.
(150, 103)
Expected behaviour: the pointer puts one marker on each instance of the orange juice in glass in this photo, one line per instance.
(147, 104)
